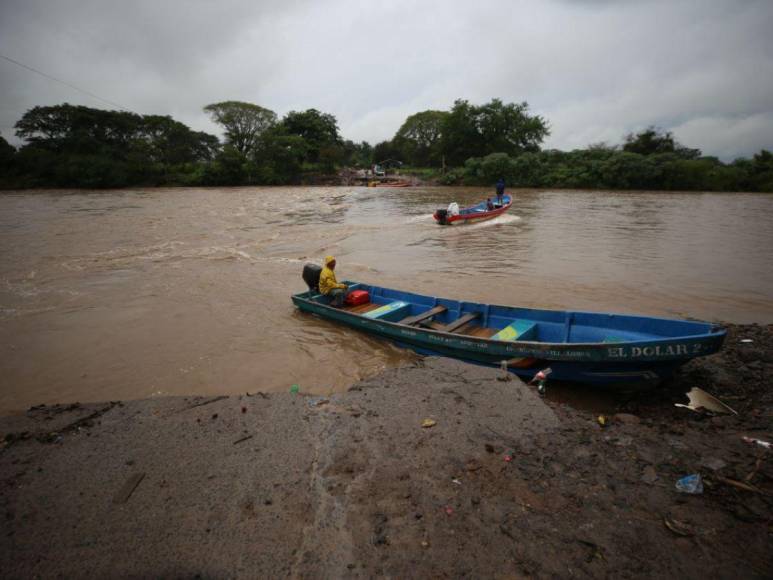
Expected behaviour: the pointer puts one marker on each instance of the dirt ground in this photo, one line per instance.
(504, 483)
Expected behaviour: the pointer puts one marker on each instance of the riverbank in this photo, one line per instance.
(359, 484)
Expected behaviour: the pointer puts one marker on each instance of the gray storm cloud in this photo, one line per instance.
(596, 70)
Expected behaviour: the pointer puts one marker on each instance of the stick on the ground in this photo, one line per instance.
(128, 488)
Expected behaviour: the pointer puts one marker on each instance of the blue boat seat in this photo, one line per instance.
(517, 330)
(390, 312)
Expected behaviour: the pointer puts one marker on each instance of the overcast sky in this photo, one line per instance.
(595, 69)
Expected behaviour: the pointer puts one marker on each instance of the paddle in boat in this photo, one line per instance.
(452, 214)
(587, 347)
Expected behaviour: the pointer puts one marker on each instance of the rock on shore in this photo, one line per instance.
(497, 482)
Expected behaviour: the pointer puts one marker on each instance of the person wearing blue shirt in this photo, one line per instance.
(500, 191)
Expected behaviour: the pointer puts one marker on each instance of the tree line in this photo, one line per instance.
(76, 146)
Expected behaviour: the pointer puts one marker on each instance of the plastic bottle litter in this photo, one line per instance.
(760, 442)
(295, 389)
(690, 484)
(505, 376)
(541, 378)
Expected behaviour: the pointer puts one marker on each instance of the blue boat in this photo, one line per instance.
(587, 347)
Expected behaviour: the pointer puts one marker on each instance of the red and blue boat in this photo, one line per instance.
(474, 213)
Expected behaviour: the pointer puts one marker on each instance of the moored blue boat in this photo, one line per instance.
(588, 347)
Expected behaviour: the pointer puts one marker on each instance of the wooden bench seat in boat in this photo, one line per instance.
(517, 330)
(460, 322)
(389, 312)
(411, 320)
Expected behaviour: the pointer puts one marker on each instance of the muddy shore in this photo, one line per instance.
(504, 483)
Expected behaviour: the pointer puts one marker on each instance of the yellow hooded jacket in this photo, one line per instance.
(327, 279)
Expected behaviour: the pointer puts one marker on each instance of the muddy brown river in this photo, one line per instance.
(136, 293)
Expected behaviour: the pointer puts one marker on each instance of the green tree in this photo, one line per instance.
(7, 153)
(419, 138)
(318, 130)
(244, 123)
(78, 146)
(386, 150)
(279, 158)
(357, 154)
(495, 127)
(653, 141)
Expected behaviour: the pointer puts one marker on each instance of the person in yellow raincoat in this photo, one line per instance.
(329, 286)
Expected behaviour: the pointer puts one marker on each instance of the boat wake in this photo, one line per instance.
(497, 221)
(419, 218)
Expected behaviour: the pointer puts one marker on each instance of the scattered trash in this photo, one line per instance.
(690, 484)
(318, 401)
(541, 378)
(427, 423)
(214, 416)
(602, 420)
(244, 409)
(295, 389)
(746, 340)
(456, 481)
(424, 544)
(762, 443)
(449, 510)
(700, 400)
(679, 528)
(508, 458)
(243, 439)
(505, 376)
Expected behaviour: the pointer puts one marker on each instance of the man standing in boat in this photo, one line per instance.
(500, 192)
(329, 286)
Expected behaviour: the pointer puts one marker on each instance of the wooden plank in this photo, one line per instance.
(484, 332)
(461, 321)
(411, 320)
(128, 488)
(361, 308)
(479, 331)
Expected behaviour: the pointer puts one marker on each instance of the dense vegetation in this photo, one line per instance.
(76, 146)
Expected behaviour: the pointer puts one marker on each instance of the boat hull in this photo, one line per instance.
(642, 363)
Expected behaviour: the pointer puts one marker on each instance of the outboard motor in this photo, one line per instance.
(442, 216)
(311, 274)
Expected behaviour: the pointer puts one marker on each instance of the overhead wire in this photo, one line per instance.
(65, 83)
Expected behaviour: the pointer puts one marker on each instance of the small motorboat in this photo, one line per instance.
(481, 211)
(389, 184)
(588, 347)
